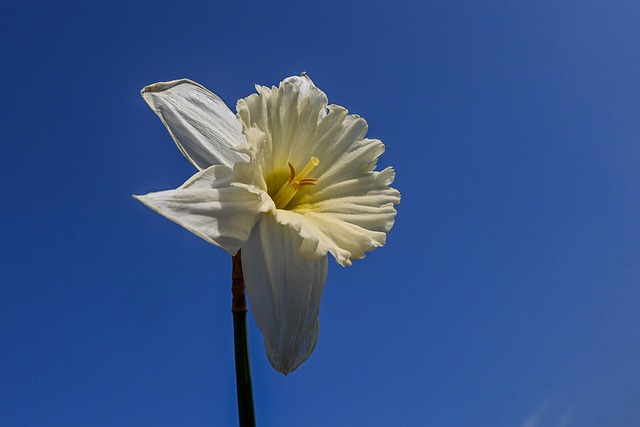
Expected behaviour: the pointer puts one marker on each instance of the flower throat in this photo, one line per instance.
(295, 182)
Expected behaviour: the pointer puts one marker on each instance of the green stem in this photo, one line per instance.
(243, 370)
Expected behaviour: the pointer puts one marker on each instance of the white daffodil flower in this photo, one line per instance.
(288, 180)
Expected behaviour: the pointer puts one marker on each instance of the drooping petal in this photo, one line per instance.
(208, 206)
(202, 126)
(284, 290)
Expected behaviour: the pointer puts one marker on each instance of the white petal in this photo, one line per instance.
(353, 226)
(336, 135)
(212, 177)
(292, 123)
(251, 172)
(202, 126)
(348, 218)
(297, 123)
(357, 161)
(303, 82)
(316, 243)
(288, 117)
(284, 290)
(210, 208)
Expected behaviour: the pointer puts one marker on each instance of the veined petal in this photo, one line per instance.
(202, 126)
(336, 134)
(347, 218)
(353, 226)
(212, 177)
(210, 208)
(304, 83)
(358, 161)
(315, 242)
(293, 123)
(251, 172)
(288, 116)
(284, 290)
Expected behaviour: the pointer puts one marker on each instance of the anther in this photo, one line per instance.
(295, 181)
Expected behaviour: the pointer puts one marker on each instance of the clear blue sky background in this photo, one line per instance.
(508, 293)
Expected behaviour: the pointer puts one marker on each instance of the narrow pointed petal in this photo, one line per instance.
(202, 126)
(284, 290)
(210, 208)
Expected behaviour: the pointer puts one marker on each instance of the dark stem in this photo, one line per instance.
(243, 370)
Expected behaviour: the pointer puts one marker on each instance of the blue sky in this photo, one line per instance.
(508, 292)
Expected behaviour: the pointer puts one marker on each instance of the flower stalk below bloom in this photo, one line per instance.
(243, 370)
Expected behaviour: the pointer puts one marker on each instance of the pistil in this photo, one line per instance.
(295, 181)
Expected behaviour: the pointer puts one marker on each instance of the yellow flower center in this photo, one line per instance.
(295, 181)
